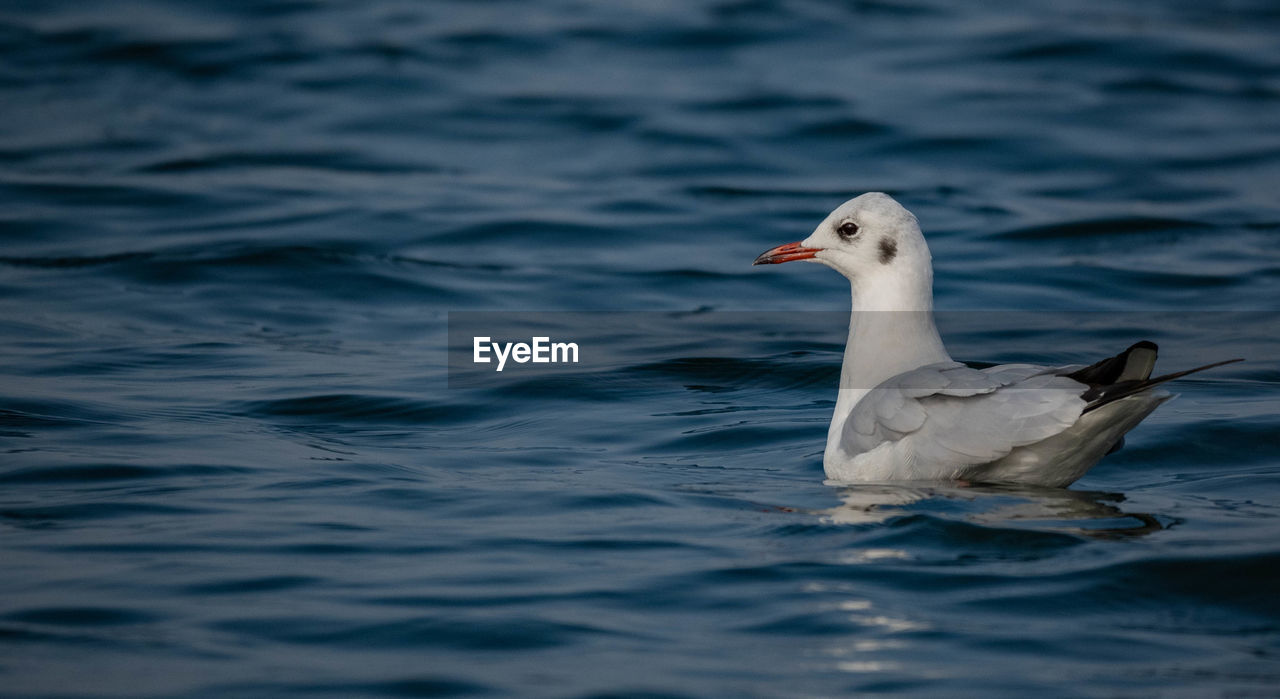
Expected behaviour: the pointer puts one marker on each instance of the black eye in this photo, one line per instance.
(847, 230)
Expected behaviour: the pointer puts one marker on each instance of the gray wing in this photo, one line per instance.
(948, 414)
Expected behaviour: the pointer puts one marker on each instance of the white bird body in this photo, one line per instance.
(1010, 423)
(907, 411)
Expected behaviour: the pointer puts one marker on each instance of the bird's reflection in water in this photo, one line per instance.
(886, 628)
(1085, 513)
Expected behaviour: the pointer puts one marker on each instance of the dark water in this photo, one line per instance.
(232, 235)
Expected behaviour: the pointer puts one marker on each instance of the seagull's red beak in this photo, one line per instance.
(785, 253)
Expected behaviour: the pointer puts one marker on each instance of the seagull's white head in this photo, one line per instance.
(867, 236)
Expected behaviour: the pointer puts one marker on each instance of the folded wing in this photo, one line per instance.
(943, 417)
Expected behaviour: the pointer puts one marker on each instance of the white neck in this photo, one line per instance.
(891, 330)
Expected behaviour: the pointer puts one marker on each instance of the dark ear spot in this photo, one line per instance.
(888, 250)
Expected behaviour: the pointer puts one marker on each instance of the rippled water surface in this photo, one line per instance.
(232, 236)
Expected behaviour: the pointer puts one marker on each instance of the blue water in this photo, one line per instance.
(232, 235)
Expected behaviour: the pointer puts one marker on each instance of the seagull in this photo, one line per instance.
(907, 412)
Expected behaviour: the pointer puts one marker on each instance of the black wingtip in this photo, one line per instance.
(1103, 395)
(1114, 369)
